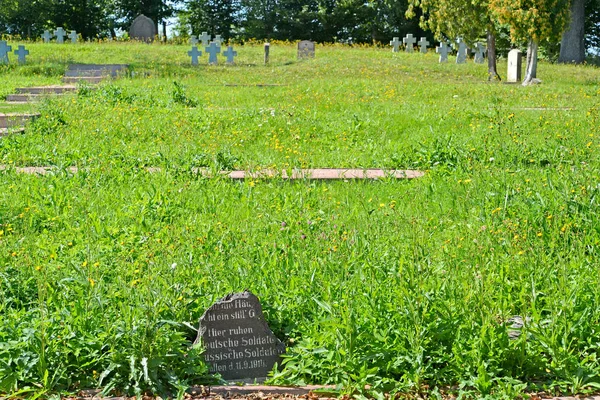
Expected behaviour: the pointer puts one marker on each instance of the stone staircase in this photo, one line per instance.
(32, 94)
(14, 123)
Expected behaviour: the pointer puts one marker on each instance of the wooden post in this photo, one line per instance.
(267, 47)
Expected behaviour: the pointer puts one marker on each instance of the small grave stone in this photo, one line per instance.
(230, 54)
(4, 50)
(306, 49)
(46, 37)
(479, 52)
(409, 40)
(239, 344)
(443, 49)
(515, 62)
(423, 43)
(396, 44)
(218, 40)
(194, 53)
(60, 35)
(142, 28)
(212, 50)
(21, 53)
(73, 36)
(461, 54)
(193, 40)
(267, 49)
(205, 39)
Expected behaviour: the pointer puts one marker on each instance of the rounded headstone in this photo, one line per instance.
(142, 28)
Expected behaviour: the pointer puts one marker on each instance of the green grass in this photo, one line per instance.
(402, 285)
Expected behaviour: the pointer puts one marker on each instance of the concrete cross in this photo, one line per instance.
(461, 55)
(229, 53)
(443, 50)
(423, 43)
(205, 39)
(194, 53)
(60, 35)
(4, 50)
(213, 49)
(21, 53)
(73, 36)
(409, 41)
(479, 51)
(396, 44)
(46, 36)
(194, 40)
(218, 40)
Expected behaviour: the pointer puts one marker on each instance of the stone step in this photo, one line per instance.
(91, 72)
(11, 131)
(86, 79)
(46, 89)
(91, 69)
(15, 120)
(23, 98)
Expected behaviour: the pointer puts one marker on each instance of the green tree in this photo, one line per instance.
(26, 18)
(217, 17)
(157, 10)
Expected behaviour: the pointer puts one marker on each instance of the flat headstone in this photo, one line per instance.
(60, 35)
(73, 36)
(395, 43)
(238, 342)
(47, 36)
(4, 50)
(306, 49)
(212, 50)
(409, 40)
(205, 39)
(194, 53)
(142, 28)
(479, 52)
(230, 54)
(515, 63)
(443, 49)
(461, 54)
(423, 43)
(21, 53)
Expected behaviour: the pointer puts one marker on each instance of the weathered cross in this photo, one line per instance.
(60, 35)
(229, 53)
(4, 50)
(409, 41)
(194, 53)
(213, 49)
(218, 40)
(73, 36)
(396, 43)
(46, 36)
(21, 53)
(443, 50)
(479, 51)
(461, 55)
(205, 38)
(423, 43)
(194, 40)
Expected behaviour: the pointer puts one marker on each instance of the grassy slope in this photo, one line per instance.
(402, 283)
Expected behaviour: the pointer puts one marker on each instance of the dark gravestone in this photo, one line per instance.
(306, 49)
(238, 342)
(142, 28)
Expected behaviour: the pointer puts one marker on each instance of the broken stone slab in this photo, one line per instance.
(15, 119)
(87, 69)
(243, 390)
(23, 98)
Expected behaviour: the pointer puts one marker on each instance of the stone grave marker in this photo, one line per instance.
(142, 28)
(230, 54)
(73, 36)
(4, 50)
(239, 344)
(409, 40)
(194, 53)
(212, 50)
(205, 39)
(443, 49)
(267, 49)
(46, 37)
(306, 49)
(479, 52)
(218, 40)
(515, 63)
(461, 54)
(60, 35)
(396, 44)
(193, 40)
(21, 53)
(423, 43)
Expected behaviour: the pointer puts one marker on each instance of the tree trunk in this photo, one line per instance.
(531, 69)
(165, 31)
(491, 54)
(572, 47)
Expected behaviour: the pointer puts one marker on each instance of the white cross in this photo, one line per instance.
(396, 44)
(46, 36)
(229, 53)
(409, 41)
(193, 40)
(194, 53)
(443, 50)
(73, 36)
(4, 50)
(461, 55)
(60, 35)
(423, 43)
(213, 49)
(205, 39)
(21, 53)
(218, 40)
